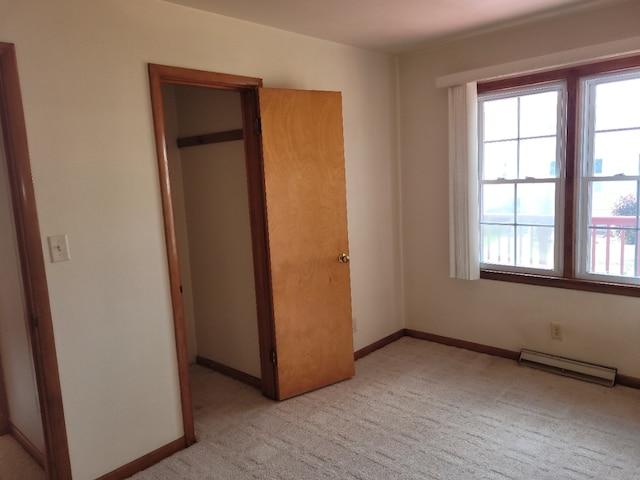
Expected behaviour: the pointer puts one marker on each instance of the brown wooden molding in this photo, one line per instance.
(363, 352)
(259, 240)
(624, 380)
(25, 443)
(230, 372)
(454, 342)
(561, 282)
(145, 461)
(627, 381)
(157, 76)
(616, 64)
(208, 138)
(4, 406)
(57, 461)
(203, 78)
(160, 75)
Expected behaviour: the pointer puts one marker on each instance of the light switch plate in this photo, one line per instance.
(58, 248)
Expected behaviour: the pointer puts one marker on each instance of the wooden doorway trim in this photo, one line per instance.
(160, 75)
(57, 462)
(4, 407)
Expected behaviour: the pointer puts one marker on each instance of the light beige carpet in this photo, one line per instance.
(15, 463)
(415, 410)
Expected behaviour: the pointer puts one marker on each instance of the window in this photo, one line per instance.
(559, 177)
(521, 157)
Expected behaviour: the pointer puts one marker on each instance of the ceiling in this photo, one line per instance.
(387, 25)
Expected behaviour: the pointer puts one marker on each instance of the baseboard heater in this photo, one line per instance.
(570, 368)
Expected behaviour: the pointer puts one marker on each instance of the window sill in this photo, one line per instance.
(560, 282)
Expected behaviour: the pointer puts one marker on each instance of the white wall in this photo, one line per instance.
(596, 327)
(217, 216)
(83, 71)
(15, 347)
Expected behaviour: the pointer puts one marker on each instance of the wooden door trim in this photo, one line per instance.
(27, 445)
(4, 406)
(160, 75)
(259, 240)
(57, 461)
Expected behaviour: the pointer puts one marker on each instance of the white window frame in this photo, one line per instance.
(586, 129)
(559, 180)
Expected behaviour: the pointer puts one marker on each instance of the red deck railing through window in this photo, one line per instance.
(612, 228)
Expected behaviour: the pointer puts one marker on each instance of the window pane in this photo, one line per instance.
(498, 203)
(538, 158)
(519, 148)
(536, 204)
(613, 229)
(617, 153)
(500, 160)
(612, 129)
(613, 204)
(613, 252)
(618, 105)
(497, 244)
(500, 119)
(539, 114)
(535, 247)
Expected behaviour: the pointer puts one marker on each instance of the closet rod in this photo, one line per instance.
(228, 136)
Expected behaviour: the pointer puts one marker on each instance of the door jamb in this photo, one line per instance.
(4, 407)
(40, 325)
(160, 75)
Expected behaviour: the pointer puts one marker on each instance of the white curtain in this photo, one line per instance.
(463, 182)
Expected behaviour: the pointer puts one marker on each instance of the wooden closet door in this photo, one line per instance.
(305, 193)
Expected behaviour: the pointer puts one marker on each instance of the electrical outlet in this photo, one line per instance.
(354, 324)
(556, 331)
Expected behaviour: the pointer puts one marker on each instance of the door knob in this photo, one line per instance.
(343, 258)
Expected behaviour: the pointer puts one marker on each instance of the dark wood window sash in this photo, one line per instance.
(571, 170)
(572, 167)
